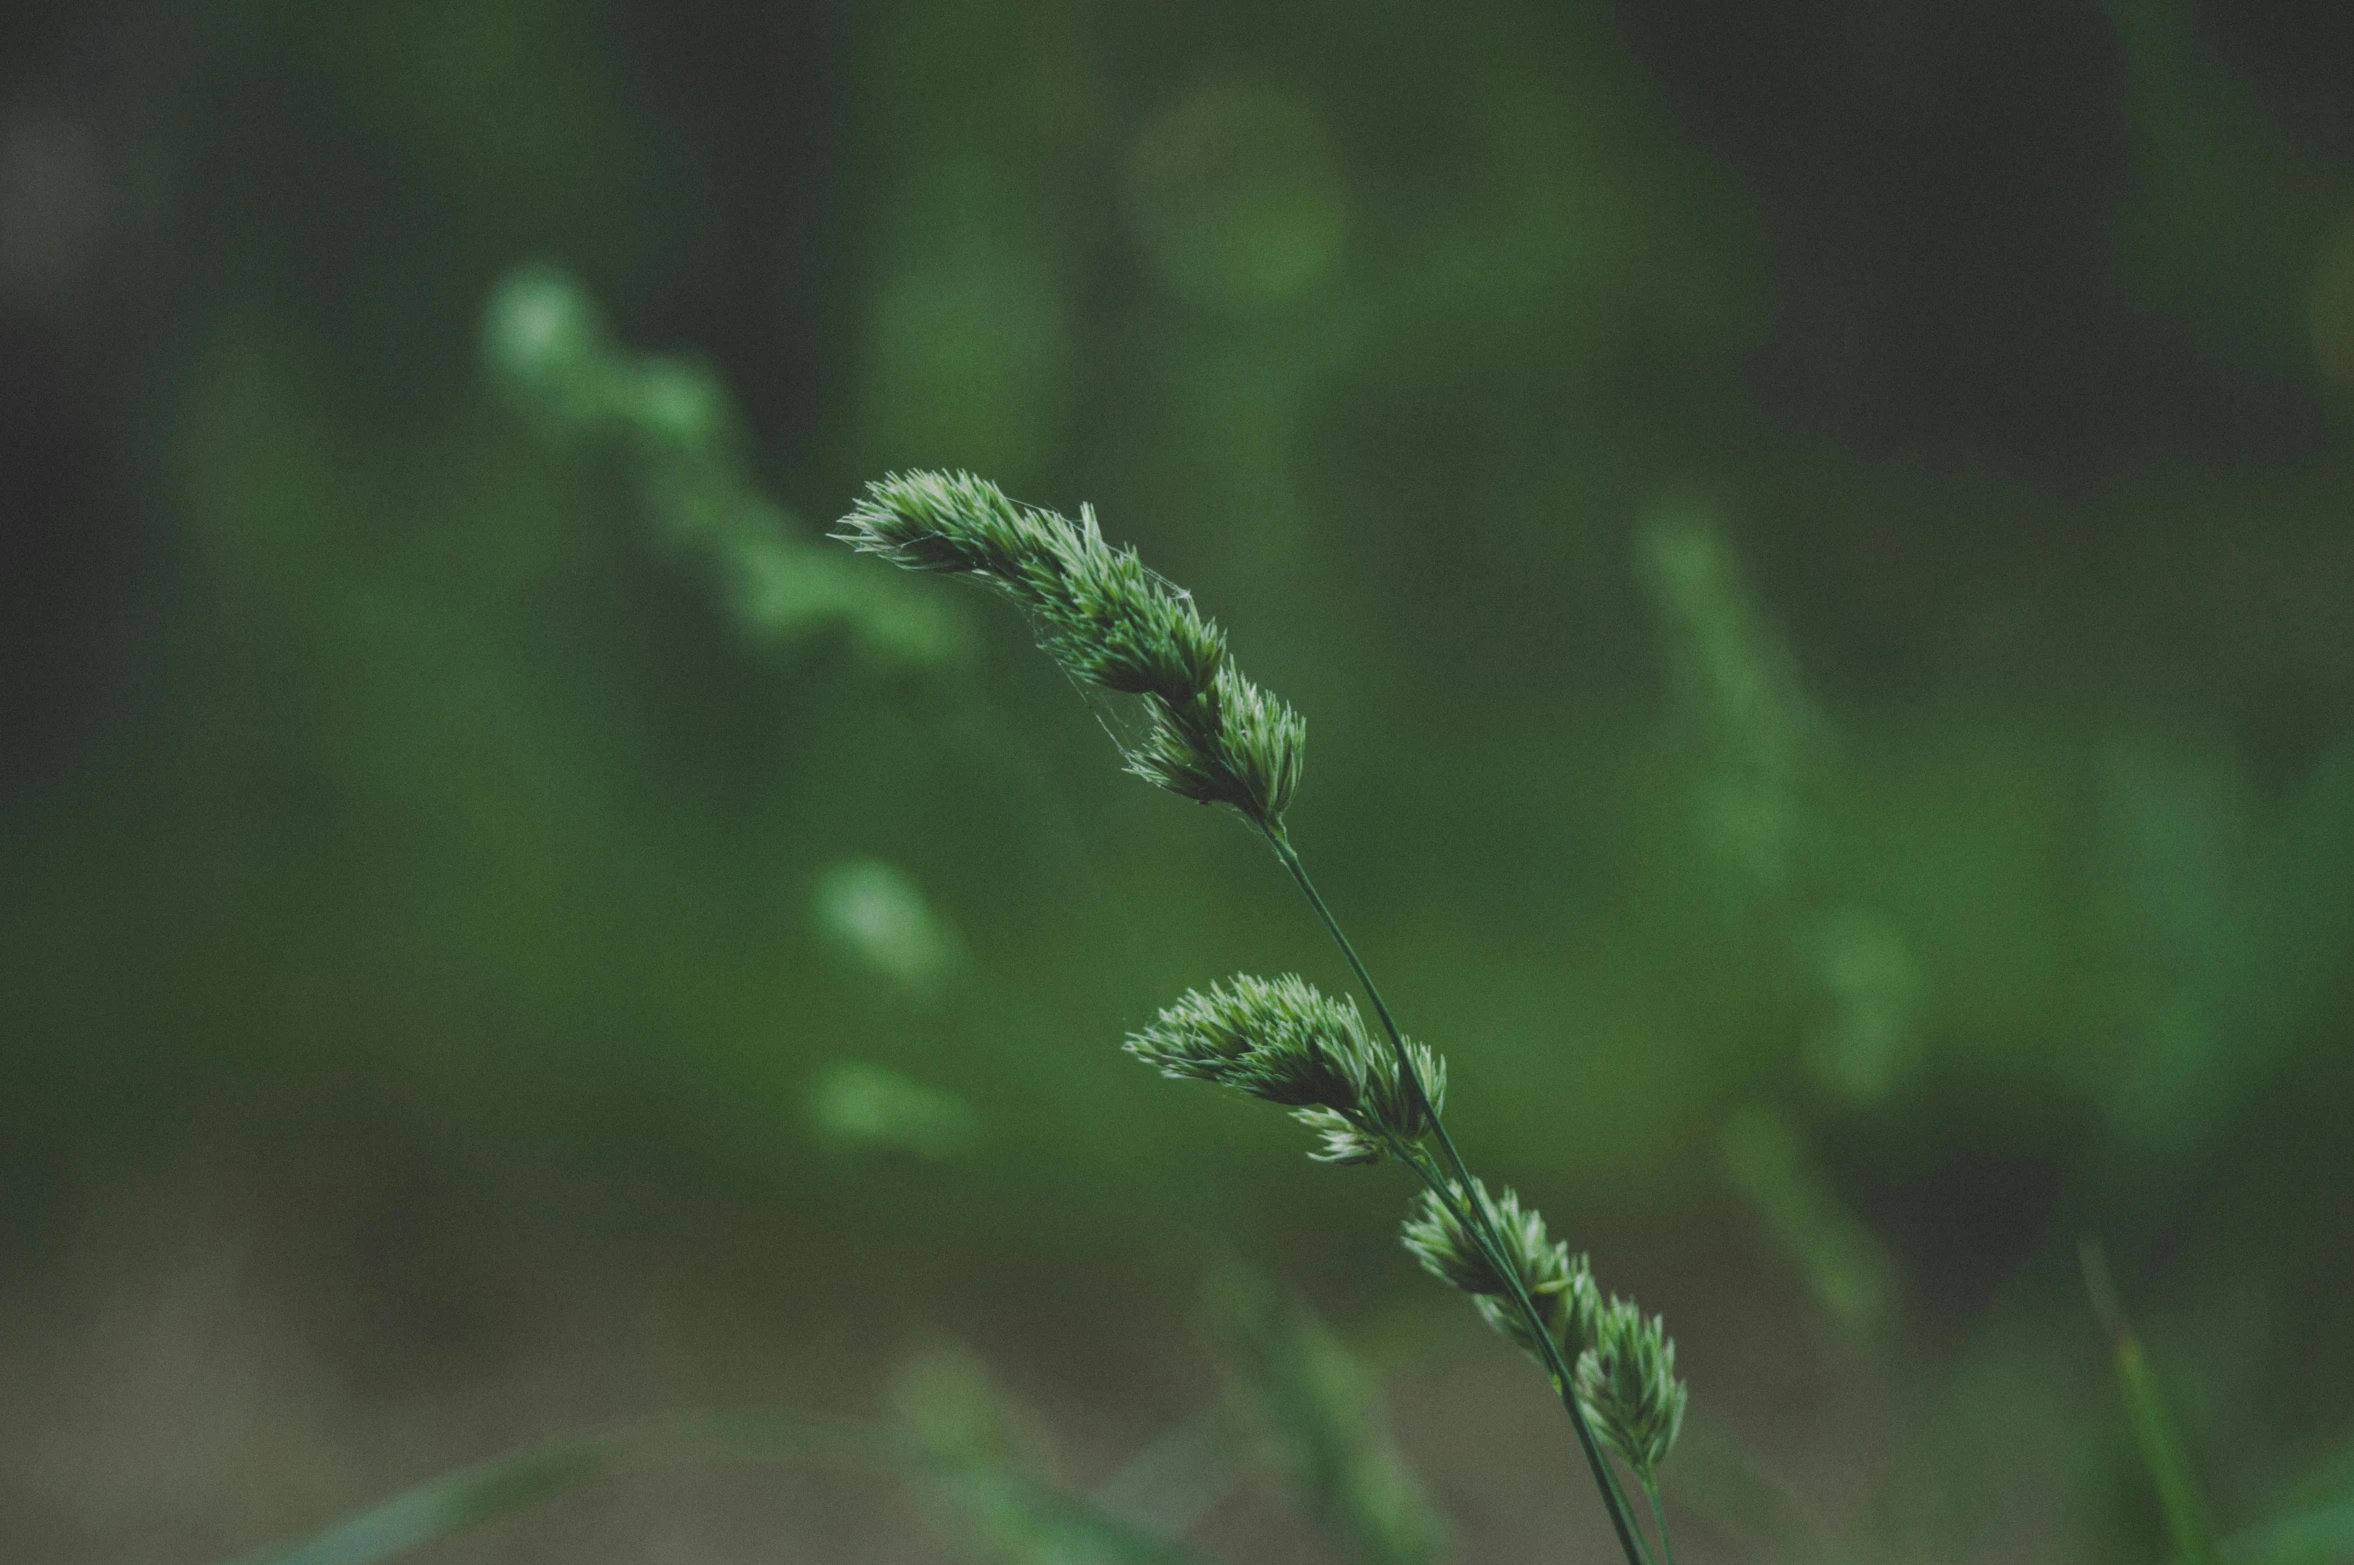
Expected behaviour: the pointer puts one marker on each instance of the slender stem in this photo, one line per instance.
(1475, 1209)
(1658, 1518)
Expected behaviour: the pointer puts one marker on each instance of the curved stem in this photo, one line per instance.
(1474, 1207)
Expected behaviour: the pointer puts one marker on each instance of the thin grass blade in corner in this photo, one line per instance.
(2154, 1430)
(505, 1486)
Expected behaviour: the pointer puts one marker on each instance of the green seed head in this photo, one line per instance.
(1230, 744)
(1442, 1242)
(949, 522)
(1388, 1115)
(1109, 621)
(1627, 1382)
(1277, 1039)
(1282, 1040)
(1391, 1102)
(1343, 1138)
(1560, 1284)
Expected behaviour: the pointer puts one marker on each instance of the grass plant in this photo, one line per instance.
(1211, 735)
(1368, 1093)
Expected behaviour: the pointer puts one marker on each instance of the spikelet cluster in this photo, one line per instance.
(1624, 1364)
(1627, 1381)
(1560, 1284)
(1283, 1040)
(1211, 734)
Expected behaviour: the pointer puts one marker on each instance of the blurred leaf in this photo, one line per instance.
(857, 1103)
(1167, 1488)
(1842, 1262)
(1068, 1529)
(545, 346)
(879, 918)
(978, 1442)
(2154, 1430)
(1315, 1405)
(2322, 1537)
(1723, 1481)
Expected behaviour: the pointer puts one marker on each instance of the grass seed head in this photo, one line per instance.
(1628, 1384)
(1282, 1040)
(1274, 1038)
(1211, 735)
(1560, 1284)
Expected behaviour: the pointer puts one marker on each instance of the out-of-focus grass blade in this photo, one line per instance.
(1167, 1488)
(2179, 1497)
(2315, 1537)
(505, 1485)
(499, 1487)
(1315, 1405)
(2162, 1453)
(2320, 1537)
(1844, 1266)
(1721, 1480)
(1066, 1530)
(448, 1505)
(2313, 1518)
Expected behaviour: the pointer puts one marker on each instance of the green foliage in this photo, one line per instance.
(370, 772)
(879, 920)
(547, 347)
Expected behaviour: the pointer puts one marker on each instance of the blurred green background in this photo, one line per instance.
(1813, 542)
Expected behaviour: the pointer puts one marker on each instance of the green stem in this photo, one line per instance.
(1659, 1519)
(1474, 1208)
(2179, 1496)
